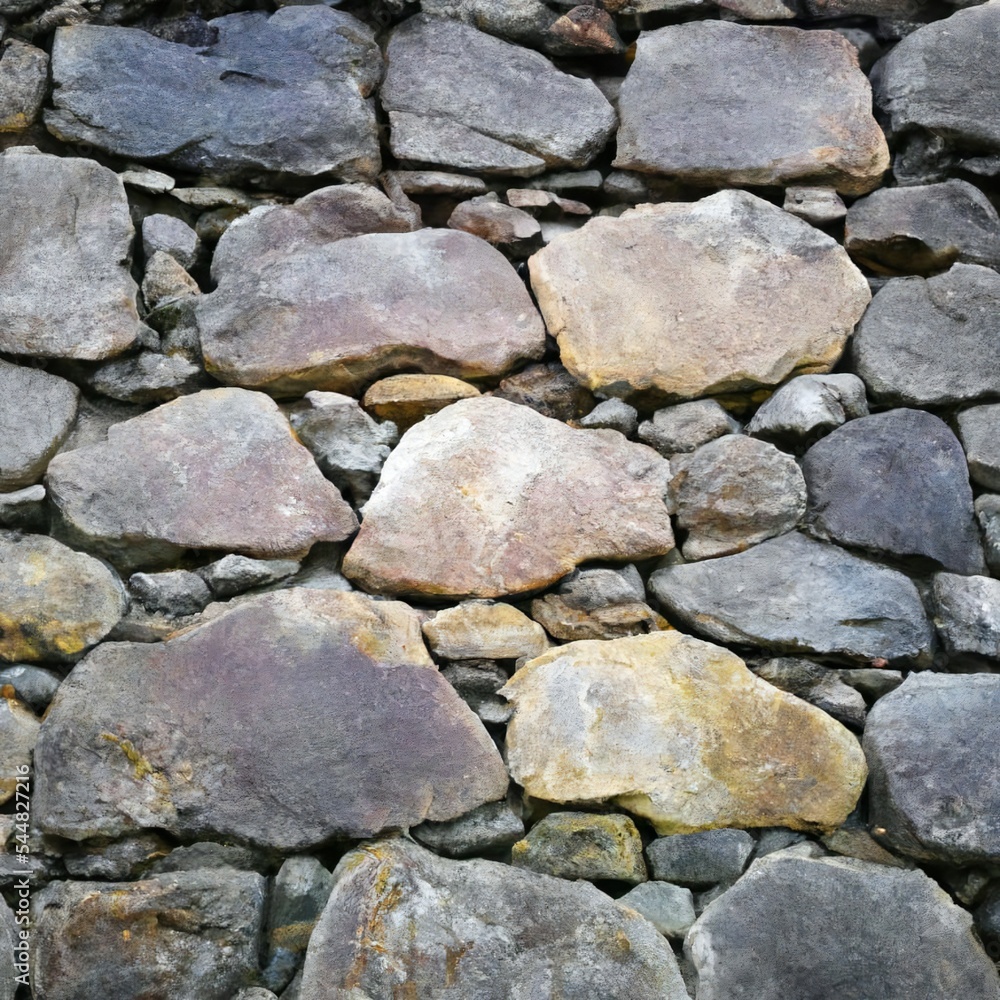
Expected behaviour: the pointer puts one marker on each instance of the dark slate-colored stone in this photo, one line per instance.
(895, 483)
(792, 594)
(933, 746)
(492, 827)
(700, 859)
(815, 929)
(286, 720)
(283, 94)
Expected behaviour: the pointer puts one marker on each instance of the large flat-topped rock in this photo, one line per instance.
(711, 102)
(220, 469)
(289, 719)
(682, 300)
(284, 94)
(65, 244)
(335, 292)
(461, 98)
(488, 497)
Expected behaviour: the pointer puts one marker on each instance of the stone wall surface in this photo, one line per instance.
(499, 500)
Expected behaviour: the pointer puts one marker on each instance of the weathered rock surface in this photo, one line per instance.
(462, 98)
(709, 857)
(478, 683)
(681, 300)
(233, 574)
(170, 235)
(549, 389)
(65, 288)
(484, 830)
(18, 733)
(56, 602)
(977, 428)
(988, 515)
(932, 342)
(37, 411)
(484, 629)
(488, 498)
(285, 94)
(306, 302)
(24, 78)
(680, 732)
(177, 592)
(612, 414)
(165, 280)
(288, 751)
(33, 685)
(497, 932)
(819, 685)
(932, 746)
(216, 470)
(405, 399)
(797, 110)
(583, 846)
(818, 205)
(511, 229)
(803, 927)
(734, 492)
(669, 908)
(686, 426)
(170, 936)
(920, 230)
(792, 594)
(895, 483)
(809, 406)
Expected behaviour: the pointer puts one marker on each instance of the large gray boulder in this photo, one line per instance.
(933, 746)
(334, 724)
(818, 928)
(497, 933)
(895, 483)
(217, 470)
(65, 245)
(792, 594)
(173, 937)
(462, 98)
(932, 342)
(283, 94)
(717, 103)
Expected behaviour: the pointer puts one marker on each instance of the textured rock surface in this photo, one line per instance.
(338, 310)
(288, 751)
(461, 98)
(683, 300)
(489, 498)
(793, 926)
(170, 936)
(793, 594)
(285, 94)
(977, 427)
(932, 342)
(18, 733)
(701, 859)
(487, 829)
(967, 613)
(498, 932)
(895, 483)
(405, 399)
(669, 908)
(217, 470)
(24, 72)
(56, 602)
(797, 111)
(65, 287)
(678, 731)
(809, 406)
(477, 629)
(932, 746)
(686, 426)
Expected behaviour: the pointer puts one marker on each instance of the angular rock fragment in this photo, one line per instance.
(701, 859)
(56, 602)
(933, 745)
(797, 110)
(170, 936)
(461, 98)
(334, 292)
(932, 342)
(613, 414)
(287, 751)
(170, 235)
(283, 94)
(825, 927)
(792, 594)
(498, 932)
(148, 377)
(65, 289)
(818, 205)
(679, 300)
(809, 406)
(165, 279)
(967, 613)
(24, 78)
(483, 629)
(686, 426)
(920, 230)
(734, 492)
(216, 470)
(478, 683)
(669, 908)
(819, 685)
(895, 483)
(233, 574)
(512, 230)
(549, 389)
(18, 734)
(488, 498)
(178, 592)
(978, 427)
(988, 515)
(677, 731)
(489, 828)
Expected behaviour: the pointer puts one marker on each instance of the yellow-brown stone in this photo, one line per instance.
(405, 399)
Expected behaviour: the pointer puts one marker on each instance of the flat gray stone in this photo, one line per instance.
(979, 430)
(669, 908)
(803, 927)
(178, 592)
(461, 98)
(517, 932)
(987, 509)
(792, 594)
(488, 829)
(65, 289)
(287, 752)
(168, 234)
(895, 483)
(286, 94)
(819, 685)
(967, 613)
(711, 102)
(932, 342)
(233, 574)
(809, 406)
(686, 426)
(818, 205)
(700, 859)
(613, 414)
